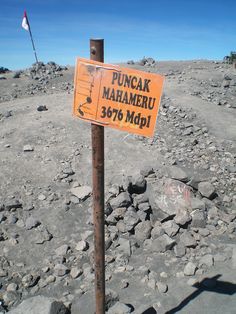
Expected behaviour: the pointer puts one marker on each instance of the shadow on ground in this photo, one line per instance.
(207, 284)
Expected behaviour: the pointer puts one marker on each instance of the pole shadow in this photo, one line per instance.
(207, 284)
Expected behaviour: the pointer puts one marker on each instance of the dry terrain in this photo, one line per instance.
(170, 201)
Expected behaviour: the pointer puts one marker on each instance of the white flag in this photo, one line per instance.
(25, 23)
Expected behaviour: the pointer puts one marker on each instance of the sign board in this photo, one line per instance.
(121, 98)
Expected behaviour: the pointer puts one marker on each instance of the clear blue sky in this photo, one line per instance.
(162, 29)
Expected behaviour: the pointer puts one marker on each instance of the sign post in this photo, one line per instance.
(121, 98)
(97, 54)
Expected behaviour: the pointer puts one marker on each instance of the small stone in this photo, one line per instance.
(50, 279)
(124, 246)
(182, 217)
(152, 283)
(81, 192)
(179, 250)
(188, 240)
(143, 271)
(146, 171)
(162, 244)
(42, 197)
(82, 246)
(124, 284)
(143, 230)
(198, 219)
(177, 174)
(3, 272)
(170, 227)
(9, 298)
(62, 250)
(28, 148)
(190, 269)
(12, 287)
(119, 308)
(76, 272)
(111, 298)
(42, 108)
(31, 223)
(206, 189)
(162, 287)
(157, 231)
(207, 260)
(163, 274)
(30, 280)
(60, 270)
(122, 200)
(138, 184)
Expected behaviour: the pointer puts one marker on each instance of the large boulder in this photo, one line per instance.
(40, 305)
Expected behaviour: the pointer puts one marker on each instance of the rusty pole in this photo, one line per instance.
(97, 54)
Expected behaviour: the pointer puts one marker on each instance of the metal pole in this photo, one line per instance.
(32, 41)
(97, 54)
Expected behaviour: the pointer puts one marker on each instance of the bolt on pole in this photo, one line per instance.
(97, 54)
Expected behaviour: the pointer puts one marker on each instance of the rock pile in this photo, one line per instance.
(147, 62)
(40, 71)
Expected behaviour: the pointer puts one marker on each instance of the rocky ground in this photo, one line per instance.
(170, 200)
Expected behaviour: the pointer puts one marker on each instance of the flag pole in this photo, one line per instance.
(32, 41)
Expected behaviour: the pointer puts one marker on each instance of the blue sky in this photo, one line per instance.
(162, 29)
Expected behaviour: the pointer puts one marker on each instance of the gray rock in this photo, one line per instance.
(162, 244)
(31, 223)
(188, 240)
(146, 171)
(42, 235)
(140, 199)
(75, 272)
(198, 219)
(144, 207)
(170, 227)
(157, 231)
(82, 246)
(81, 192)
(119, 308)
(62, 250)
(182, 217)
(179, 250)
(197, 203)
(111, 298)
(162, 287)
(138, 184)
(42, 108)
(60, 270)
(40, 305)
(131, 219)
(206, 189)
(177, 174)
(190, 269)
(122, 200)
(143, 230)
(124, 246)
(28, 148)
(30, 280)
(207, 260)
(12, 204)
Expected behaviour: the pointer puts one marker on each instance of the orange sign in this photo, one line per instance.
(117, 97)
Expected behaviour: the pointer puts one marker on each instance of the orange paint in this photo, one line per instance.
(116, 97)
